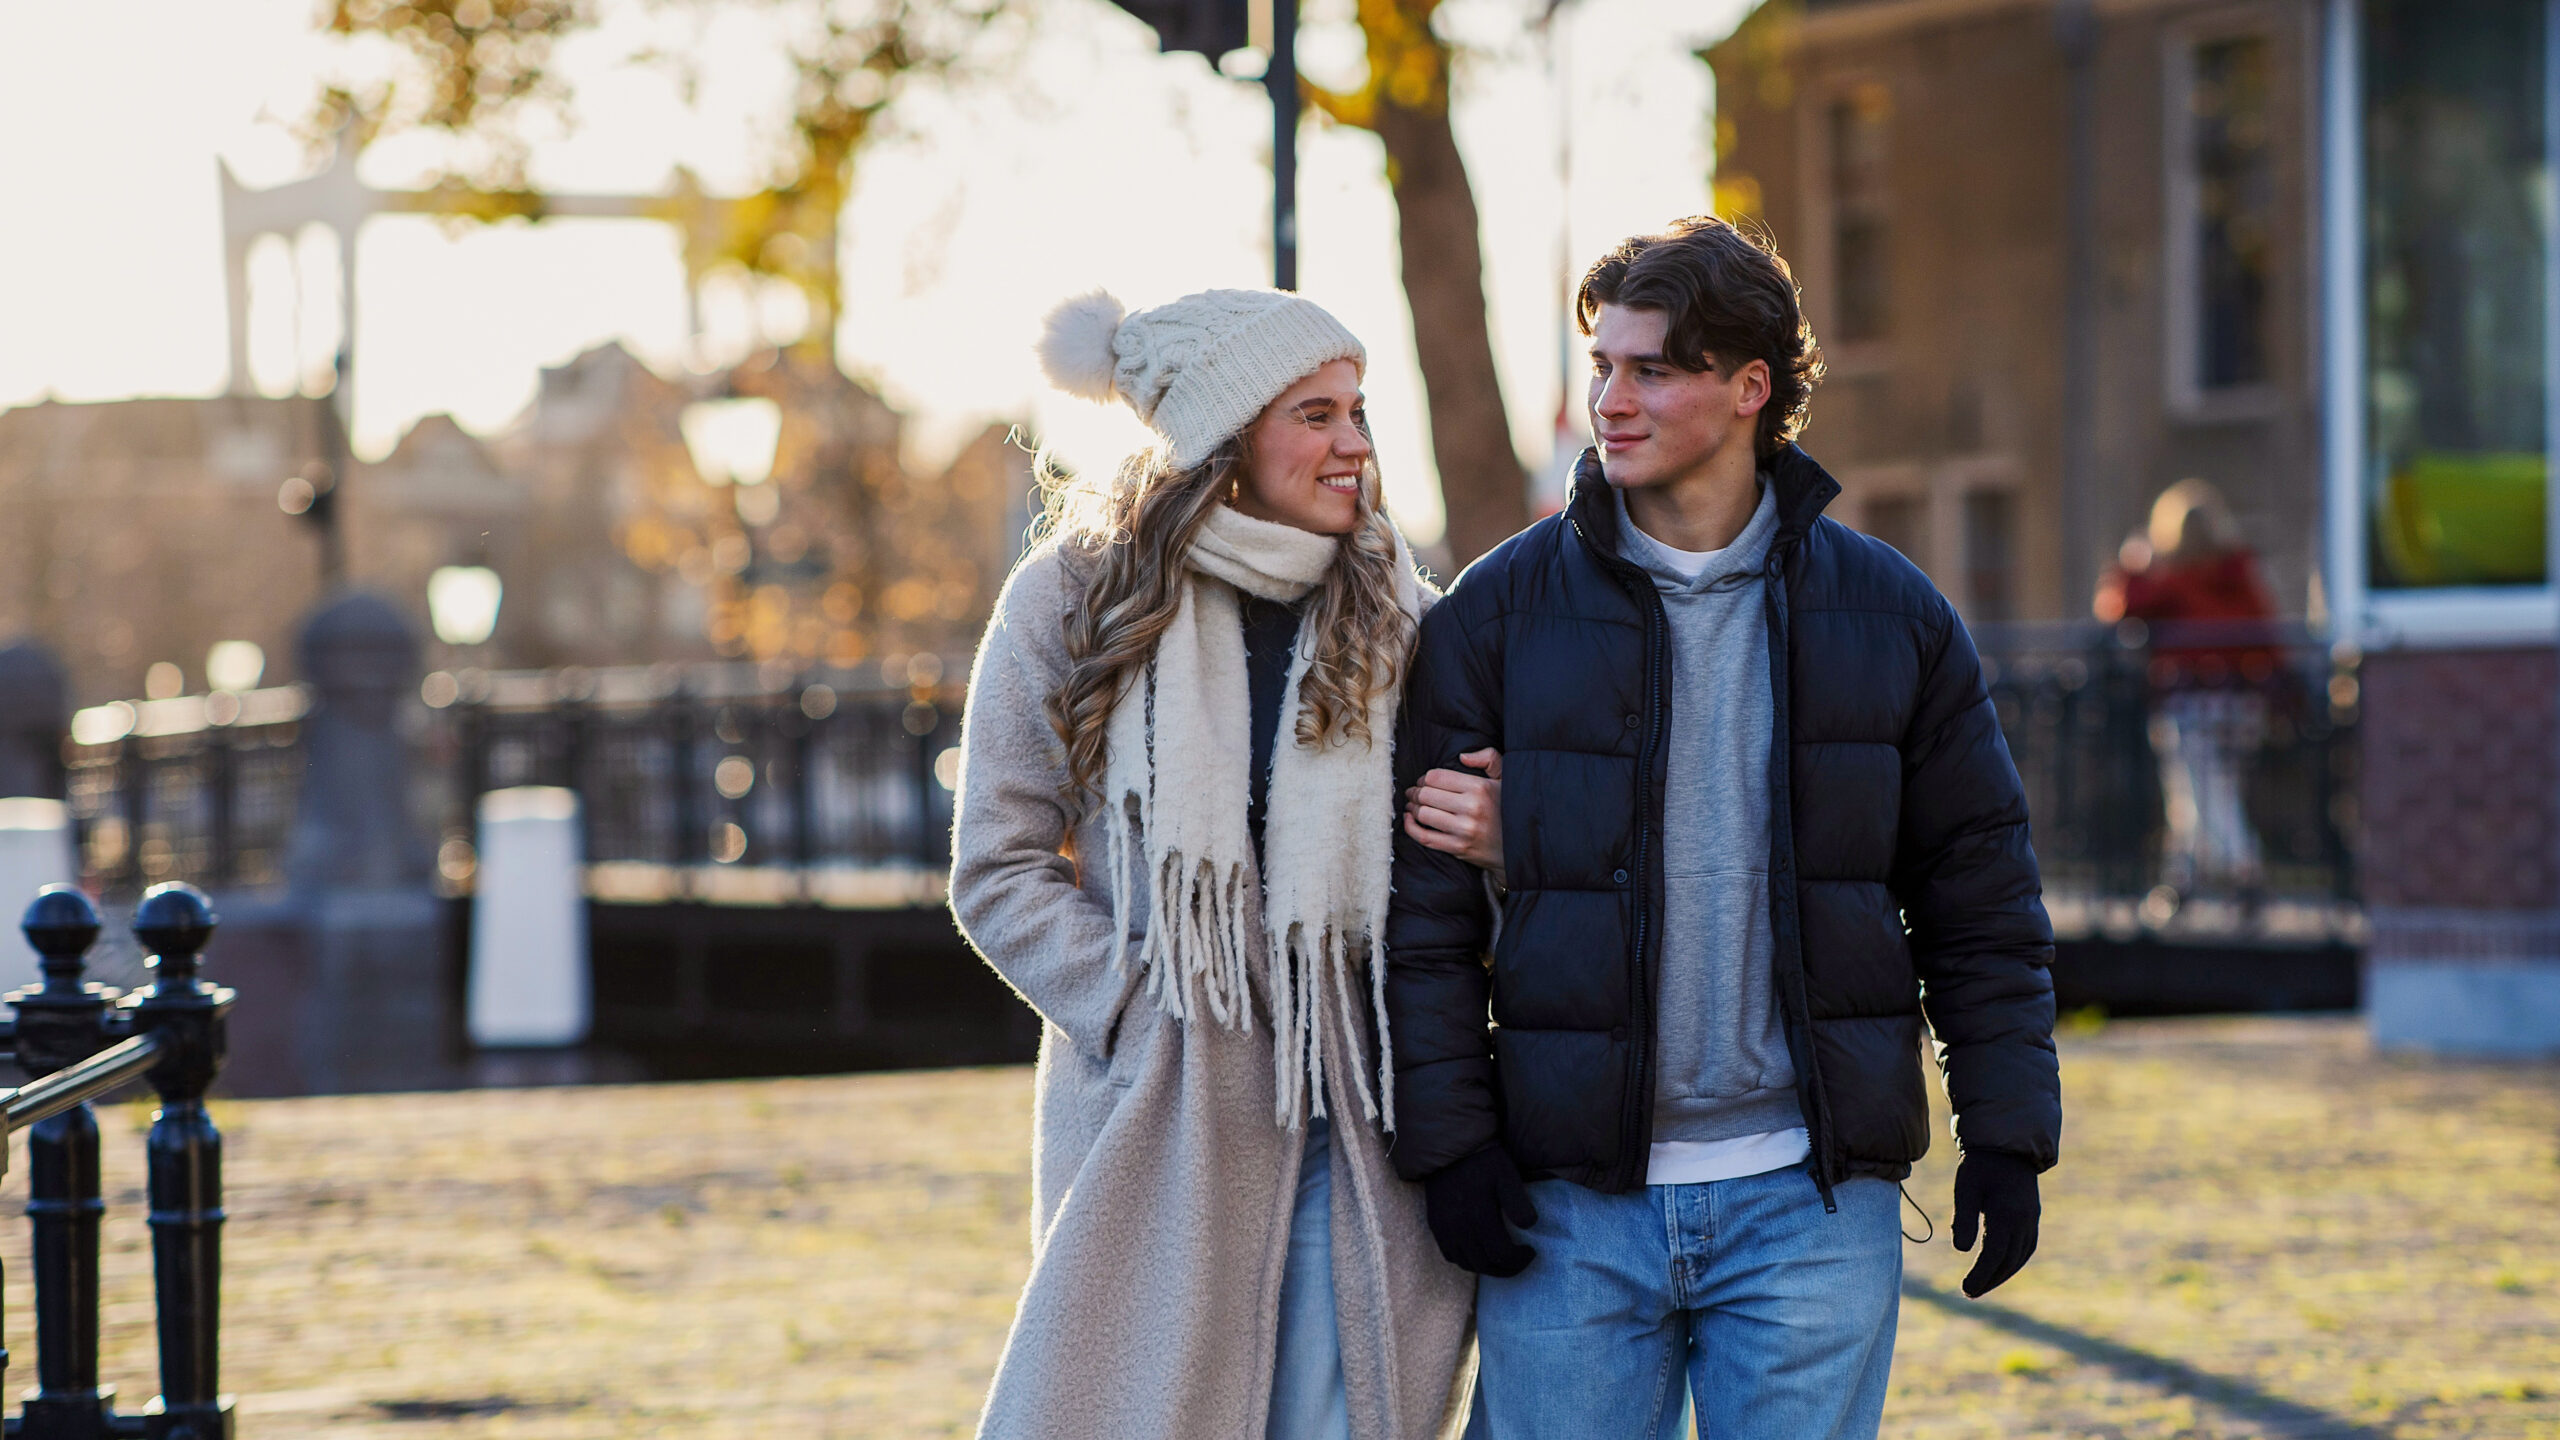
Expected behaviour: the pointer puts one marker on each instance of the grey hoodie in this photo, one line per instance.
(1720, 1050)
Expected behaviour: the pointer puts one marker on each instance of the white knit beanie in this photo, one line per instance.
(1196, 370)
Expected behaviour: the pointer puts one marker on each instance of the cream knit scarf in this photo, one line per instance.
(1176, 778)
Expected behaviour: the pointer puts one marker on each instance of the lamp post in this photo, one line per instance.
(462, 607)
(731, 440)
(311, 496)
(1280, 19)
(311, 493)
(1215, 28)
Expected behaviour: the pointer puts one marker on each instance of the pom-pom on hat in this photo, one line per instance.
(1199, 369)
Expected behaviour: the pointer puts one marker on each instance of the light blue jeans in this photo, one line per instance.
(1780, 1315)
(1307, 1402)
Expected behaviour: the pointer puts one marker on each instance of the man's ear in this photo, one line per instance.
(1751, 388)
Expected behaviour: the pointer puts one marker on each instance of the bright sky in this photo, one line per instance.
(1094, 161)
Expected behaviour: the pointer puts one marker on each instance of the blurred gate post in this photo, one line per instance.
(35, 709)
(376, 1014)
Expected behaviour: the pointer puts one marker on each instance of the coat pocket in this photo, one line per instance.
(1133, 1039)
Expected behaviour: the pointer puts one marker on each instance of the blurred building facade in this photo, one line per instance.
(145, 531)
(2063, 254)
(140, 531)
(1915, 160)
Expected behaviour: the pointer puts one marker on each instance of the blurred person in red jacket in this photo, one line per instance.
(2195, 585)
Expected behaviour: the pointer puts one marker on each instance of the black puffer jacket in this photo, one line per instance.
(1901, 881)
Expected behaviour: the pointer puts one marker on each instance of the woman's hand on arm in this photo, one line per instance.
(1460, 814)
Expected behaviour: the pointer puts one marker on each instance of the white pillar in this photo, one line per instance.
(529, 922)
(235, 290)
(35, 851)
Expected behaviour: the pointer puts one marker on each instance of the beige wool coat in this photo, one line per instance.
(1161, 1185)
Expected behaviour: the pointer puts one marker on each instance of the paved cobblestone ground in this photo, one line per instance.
(2259, 1230)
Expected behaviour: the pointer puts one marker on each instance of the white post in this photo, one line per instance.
(35, 851)
(529, 922)
(2341, 326)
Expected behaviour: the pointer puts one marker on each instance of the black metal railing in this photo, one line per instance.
(740, 768)
(77, 1042)
(199, 788)
(2251, 727)
(786, 778)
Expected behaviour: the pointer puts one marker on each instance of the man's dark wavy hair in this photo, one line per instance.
(1730, 297)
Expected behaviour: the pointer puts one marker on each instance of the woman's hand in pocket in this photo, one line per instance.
(1458, 813)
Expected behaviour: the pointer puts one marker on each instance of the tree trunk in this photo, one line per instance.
(1482, 484)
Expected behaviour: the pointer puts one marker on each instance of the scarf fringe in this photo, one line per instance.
(1299, 982)
(1193, 958)
(1194, 964)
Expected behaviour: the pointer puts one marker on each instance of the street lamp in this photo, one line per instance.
(732, 441)
(311, 496)
(462, 603)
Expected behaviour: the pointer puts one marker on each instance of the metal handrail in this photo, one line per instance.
(171, 1034)
(77, 1084)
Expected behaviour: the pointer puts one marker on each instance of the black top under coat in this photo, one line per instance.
(1270, 638)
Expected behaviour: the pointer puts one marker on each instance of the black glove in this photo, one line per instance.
(1467, 1203)
(1998, 1191)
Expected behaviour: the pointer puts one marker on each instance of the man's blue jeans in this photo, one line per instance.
(1780, 1315)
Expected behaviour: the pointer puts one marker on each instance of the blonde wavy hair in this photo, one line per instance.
(1137, 529)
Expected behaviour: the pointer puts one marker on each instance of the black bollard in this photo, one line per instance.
(173, 923)
(59, 1023)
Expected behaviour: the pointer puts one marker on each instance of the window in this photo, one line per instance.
(2233, 219)
(1901, 521)
(1990, 547)
(2456, 183)
(2222, 210)
(1860, 281)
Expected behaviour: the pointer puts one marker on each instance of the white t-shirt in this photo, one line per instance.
(1690, 564)
(1695, 1162)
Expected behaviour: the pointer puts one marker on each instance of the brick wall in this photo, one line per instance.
(2459, 779)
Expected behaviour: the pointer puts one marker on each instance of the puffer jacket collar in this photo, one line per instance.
(1804, 489)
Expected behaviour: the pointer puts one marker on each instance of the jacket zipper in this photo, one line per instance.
(1782, 837)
